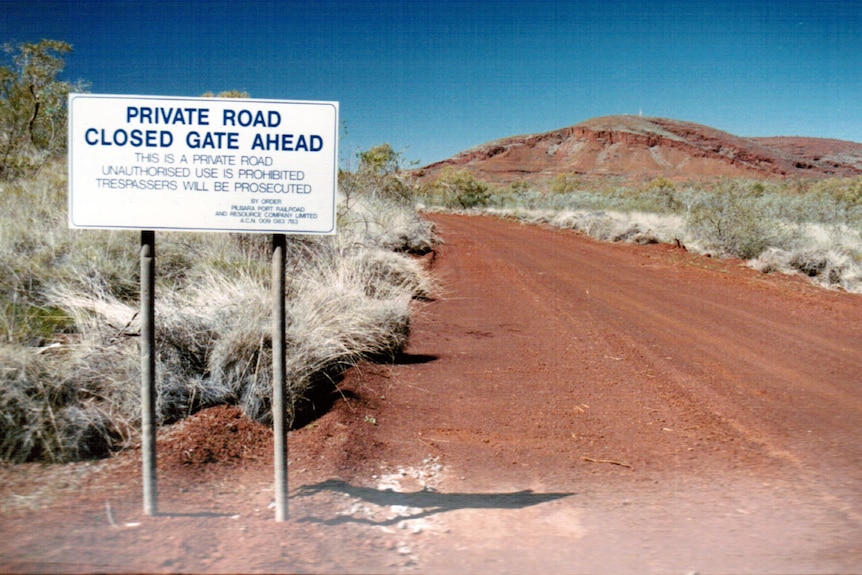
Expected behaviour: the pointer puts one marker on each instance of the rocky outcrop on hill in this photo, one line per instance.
(639, 147)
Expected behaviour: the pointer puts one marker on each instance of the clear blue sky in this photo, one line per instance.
(435, 77)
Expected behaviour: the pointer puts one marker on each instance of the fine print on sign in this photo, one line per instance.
(202, 164)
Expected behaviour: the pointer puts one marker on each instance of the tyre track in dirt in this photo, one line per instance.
(729, 354)
(772, 361)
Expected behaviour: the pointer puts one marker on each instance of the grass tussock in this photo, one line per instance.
(47, 415)
(69, 326)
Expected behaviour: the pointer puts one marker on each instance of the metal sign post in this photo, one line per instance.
(279, 410)
(148, 371)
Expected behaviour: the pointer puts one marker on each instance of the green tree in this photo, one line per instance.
(33, 101)
(380, 173)
(380, 160)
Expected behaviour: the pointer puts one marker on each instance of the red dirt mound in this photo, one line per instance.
(219, 435)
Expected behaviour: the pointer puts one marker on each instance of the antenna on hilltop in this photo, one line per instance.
(640, 111)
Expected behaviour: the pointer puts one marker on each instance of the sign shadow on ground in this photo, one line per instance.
(427, 502)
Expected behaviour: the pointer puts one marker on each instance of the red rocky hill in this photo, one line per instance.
(639, 147)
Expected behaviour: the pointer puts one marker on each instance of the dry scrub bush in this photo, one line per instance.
(105, 356)
(343, 305)
(44, 414)
(609, 227)
(830, 255)
(391, 226)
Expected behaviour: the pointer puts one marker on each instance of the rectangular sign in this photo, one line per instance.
(202, 164)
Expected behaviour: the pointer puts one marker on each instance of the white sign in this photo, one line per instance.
(202, 164)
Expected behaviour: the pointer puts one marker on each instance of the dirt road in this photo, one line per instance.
(736, 398)
(565, 407)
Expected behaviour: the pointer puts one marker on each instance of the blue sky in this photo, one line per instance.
(436, 77)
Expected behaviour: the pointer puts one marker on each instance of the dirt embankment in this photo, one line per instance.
(565, 407)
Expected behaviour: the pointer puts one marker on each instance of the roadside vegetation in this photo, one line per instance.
(808, 227)
(69, 299)
(69, 329)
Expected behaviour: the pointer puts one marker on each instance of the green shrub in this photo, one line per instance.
(565, 184)
(734, 221)
(842, 197)
(380, 174)
(32, 324)
(458, 188)
(660, 195)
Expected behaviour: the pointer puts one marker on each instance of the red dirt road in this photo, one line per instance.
(565, 407)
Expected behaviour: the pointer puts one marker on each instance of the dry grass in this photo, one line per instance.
(69, 329)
